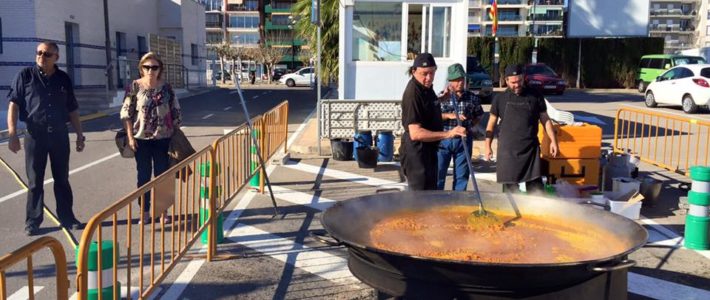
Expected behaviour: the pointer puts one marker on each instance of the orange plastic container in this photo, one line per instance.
(574, 141)
(583, 171)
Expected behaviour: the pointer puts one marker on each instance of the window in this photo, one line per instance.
(688, 61)
(194, 54)
(213, 20)
(212, 5)
(214, 37)
(441, 31)
(142, 46)
(705, 72)
(238, 21)
(244, 38)
(0, 35)
(656, 63)
(377, 29)
(644, 63)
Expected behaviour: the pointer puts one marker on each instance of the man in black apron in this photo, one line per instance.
(421, 119)
(520, 109)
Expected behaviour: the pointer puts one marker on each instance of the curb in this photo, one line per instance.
(311, 148)
(4, 134)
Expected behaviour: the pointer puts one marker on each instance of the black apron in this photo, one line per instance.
(518, 158)
(419, 163)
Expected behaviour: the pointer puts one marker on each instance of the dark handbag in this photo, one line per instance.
(180, 149)
(122, 144)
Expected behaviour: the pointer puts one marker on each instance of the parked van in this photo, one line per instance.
(652, 66)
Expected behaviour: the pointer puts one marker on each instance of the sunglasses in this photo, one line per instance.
(45, 54)
(149, 67)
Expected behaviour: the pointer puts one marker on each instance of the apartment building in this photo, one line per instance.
(539, 18)
(677, 21)
(279, 32)
(77, 26)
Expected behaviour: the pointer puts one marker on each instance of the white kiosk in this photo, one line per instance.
(380, 38)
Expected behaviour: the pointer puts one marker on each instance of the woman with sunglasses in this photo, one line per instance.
(150, 114)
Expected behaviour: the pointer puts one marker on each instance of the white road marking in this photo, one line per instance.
(330, 264)
(669, 234)
(48, 181)
(301, 198)
(234, 92)
(257, 96)
(24, 293)
(227, 108)
(207, 116)
(135, 293)
(661, 289)
(356, 178)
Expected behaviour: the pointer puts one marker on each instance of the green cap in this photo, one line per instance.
(455, 72)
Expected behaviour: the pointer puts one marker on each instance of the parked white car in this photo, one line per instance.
(303, 76)
(685, 85)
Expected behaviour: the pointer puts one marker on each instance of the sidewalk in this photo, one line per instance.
(180, 93)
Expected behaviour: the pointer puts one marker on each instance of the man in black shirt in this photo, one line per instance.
(421, 118)
(520, 109)
(42, 96)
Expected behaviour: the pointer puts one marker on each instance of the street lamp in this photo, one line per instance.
(292, 26)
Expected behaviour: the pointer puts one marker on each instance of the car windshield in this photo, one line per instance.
(688, 60)
(539, 69)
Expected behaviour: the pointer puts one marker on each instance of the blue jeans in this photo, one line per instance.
(151, 159)
(453, 148)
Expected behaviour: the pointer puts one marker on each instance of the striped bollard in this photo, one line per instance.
(697, 221)
(205, 196)
(107, 289)
(254, 164)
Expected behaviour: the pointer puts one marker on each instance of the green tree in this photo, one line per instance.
(329, 34)
(223, 51)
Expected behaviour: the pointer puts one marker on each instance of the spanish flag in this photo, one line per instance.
(493, 15)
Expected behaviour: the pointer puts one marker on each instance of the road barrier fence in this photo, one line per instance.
(25, 253)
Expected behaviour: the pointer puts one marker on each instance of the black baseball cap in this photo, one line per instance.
(514, 70)
(424, 60)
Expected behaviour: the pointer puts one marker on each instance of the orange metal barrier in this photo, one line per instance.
(669, 141)
(187, 193)
(235, 148)
(26, 252)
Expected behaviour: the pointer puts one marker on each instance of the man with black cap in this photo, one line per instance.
(421, 119)
(520, 109)
(470, 111)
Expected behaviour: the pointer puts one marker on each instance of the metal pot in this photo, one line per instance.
(349, 223)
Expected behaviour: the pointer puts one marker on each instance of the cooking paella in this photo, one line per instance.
(446, 232)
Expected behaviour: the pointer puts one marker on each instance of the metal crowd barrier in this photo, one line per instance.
(342, 118)
(671, 142)
(25, 253)
(188, 193)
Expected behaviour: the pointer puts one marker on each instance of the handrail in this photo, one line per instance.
(25, 252)
(669, 141)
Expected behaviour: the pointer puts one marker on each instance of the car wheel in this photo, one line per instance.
(642, 86)
(689, 106)
(290, 83)
(650, 99)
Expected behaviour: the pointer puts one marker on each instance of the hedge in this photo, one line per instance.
(606, 63)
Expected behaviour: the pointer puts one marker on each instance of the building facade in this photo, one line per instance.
(77, 26)
(681, 23)
(539, 18)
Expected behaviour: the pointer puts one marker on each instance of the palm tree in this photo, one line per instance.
(329, 34)
(223, 51)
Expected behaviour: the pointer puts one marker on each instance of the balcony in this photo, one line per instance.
(546, 2)
(210, 25)
(672, 28)
(510, 2)
(544, 18)
(276, 7)
(475, 3)
(672, 13)
(277, 26)
(506, 18)
(284, 42)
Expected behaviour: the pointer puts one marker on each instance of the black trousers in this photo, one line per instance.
(151, 160)
(532, 186)
(40, 145)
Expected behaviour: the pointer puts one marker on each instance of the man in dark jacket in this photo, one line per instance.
(42, 96)
(421, 119)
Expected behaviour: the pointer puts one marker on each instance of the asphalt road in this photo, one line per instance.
(100, 177)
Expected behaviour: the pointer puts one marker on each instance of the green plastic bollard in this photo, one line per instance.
(107, 289)
(697, 221)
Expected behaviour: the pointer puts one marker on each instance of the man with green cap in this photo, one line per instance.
(470, 111)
